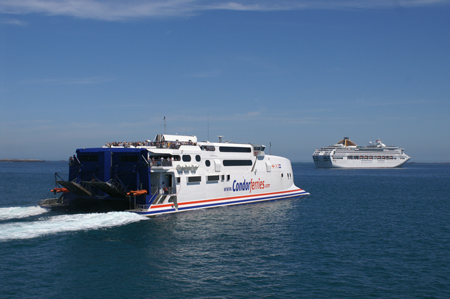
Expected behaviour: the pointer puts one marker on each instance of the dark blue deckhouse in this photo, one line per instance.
(105, 179)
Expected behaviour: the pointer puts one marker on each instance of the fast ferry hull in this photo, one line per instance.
(76, 204)
(105, 205)
(218, 202)
(169, 176)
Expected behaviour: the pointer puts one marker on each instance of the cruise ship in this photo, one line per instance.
(170, 174)
(347, 154)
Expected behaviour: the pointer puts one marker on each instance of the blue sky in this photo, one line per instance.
(296, 74)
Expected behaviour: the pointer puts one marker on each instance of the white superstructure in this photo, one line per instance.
(347, 154)
(171, 174)
(187, 174)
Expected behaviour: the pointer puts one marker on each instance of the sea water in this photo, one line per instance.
(380, 233)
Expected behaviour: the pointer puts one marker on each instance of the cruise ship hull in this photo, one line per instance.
(346, 154)
(328, 163)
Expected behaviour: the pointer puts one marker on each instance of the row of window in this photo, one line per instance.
(370, 157)
(327, 158)
(122, 158)
(235, 149)
(216, 178)
(186, 158)
(209, 178)
(227, 149)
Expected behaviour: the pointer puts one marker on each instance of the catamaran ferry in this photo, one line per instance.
(171, 174)
(347, 154)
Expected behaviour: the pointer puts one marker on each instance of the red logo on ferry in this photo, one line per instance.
(252, 185)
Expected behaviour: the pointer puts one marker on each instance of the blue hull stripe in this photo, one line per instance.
(275, 197)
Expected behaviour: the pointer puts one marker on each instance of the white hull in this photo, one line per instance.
(360, 163)
(263, 178)
(224, 201)
(346, 154)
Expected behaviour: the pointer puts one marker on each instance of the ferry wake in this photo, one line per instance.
(171, 174)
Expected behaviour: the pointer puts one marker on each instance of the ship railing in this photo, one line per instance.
(119, 184)
(50, 201)
(161, 163)
(159, 192)
(172, 144)
(57, 176)
(162, 190)
(157, 144)
(143, 207)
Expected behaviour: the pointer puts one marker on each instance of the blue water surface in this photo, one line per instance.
(376, 233)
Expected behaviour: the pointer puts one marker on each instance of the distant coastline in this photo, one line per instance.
(303, 162)
(21, 160)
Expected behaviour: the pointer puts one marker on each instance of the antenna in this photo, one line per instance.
(270, 148)
(164, 125)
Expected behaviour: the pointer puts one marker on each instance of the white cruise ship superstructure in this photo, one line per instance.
(173, 173)
(347, 154)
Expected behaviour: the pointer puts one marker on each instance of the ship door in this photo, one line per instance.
(168, 183)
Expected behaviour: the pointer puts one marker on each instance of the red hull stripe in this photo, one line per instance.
(225, 198)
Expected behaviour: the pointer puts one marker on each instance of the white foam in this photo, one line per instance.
(20, 212)
(66, 223)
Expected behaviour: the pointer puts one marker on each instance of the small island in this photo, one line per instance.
(21, 160)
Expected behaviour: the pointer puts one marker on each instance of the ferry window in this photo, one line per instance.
(235, 149)
(197, 158)
(209, 148)
(129, 158)
(194, 179)
(207, 163)
(223, 177)
(228, 177)
(88, 158)
(178, 180)
(237, 163)
(281, 175)
(213, 178)
(186, 158)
